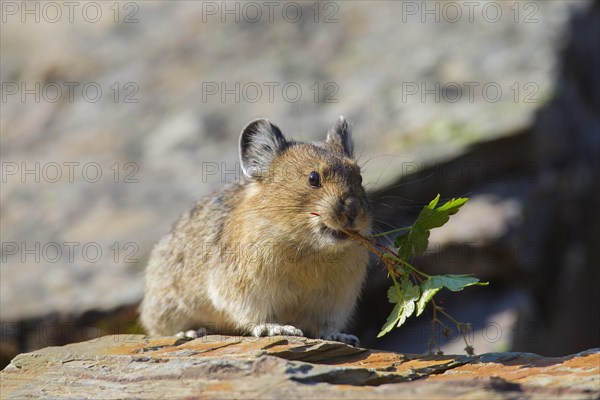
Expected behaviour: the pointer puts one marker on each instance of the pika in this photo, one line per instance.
(267, 255)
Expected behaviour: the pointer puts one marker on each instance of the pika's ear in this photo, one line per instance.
(260, 143)
(339, 136)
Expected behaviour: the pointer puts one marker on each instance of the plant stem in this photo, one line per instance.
(391, 260)
(413, 268)
(389, 232)
(401, 261)
(458, 324)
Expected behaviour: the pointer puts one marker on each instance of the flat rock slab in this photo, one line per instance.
(135, 366)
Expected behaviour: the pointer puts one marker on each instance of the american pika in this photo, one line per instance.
(267, 256)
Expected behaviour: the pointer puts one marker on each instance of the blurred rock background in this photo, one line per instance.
(117, 116)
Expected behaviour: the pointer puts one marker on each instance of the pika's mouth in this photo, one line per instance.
(334, 233)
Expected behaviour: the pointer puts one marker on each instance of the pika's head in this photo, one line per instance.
(310, 192)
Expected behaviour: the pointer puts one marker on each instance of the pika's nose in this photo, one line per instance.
(350, 207)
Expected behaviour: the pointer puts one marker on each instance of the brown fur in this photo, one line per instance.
(255, 253)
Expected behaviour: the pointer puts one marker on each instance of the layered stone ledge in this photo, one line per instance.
(135, 366)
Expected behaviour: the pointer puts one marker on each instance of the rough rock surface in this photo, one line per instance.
(134, 366)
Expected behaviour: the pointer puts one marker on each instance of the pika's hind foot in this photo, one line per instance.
(342, 337)
(275, 330)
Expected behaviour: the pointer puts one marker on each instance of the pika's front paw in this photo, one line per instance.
(191, 334)
(342, 337)
(275, 329)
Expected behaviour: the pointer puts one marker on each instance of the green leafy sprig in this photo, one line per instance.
(412, 289)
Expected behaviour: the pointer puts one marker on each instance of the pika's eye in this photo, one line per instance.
(314, 179)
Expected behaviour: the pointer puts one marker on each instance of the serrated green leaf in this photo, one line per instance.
(433, 284)
(414, 241)
(427, 292)
(404, 295)
(410, 293)
(456, 282)
(431, 217)
(392, 319)
(394, 294)
(434, 202)
(407, 311)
